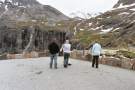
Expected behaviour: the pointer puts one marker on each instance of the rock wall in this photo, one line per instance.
(106, 59)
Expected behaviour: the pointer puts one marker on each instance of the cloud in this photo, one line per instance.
(86, 6)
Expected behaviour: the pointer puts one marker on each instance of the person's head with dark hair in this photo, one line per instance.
(67, 38)
(95, 41)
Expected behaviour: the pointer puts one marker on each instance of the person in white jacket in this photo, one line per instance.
(66, 47)
(96, 52)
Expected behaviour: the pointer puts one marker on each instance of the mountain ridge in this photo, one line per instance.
(26, 10)
(114, 27)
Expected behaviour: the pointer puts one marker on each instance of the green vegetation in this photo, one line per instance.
(42, 25)
(127, 54)
(86, 37)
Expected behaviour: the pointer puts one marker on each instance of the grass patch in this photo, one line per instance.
(127, 54)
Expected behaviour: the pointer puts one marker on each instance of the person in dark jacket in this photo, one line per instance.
(54, 50)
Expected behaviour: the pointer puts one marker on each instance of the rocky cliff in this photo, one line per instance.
(29, 10)
(115, 27)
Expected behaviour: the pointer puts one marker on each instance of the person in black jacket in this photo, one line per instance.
(54, 50)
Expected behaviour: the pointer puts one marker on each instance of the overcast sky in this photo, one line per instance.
(75, 6)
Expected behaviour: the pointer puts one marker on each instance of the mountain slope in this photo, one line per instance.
(116, 26)
(25, 10)
(124, 2)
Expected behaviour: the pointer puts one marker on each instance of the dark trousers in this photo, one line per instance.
(66, 58)
(95, 61)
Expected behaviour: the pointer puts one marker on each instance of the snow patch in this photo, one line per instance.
(97, 28)
(121, 5)
(104, 31)
(124, 6)
(90, 24)
(133, 21)
(43, 22)
(81, 29)
(116, 29)
(109, 17)
(16, 3)
(99, 18)
(124, 13)
(34, 20)
(133, 9)
(5, 0)
(23, 6)
(59, 24)
(10, 0)
(6, 7)
(132, 14)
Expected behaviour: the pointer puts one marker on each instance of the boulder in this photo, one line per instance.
(88, 57)
(126, 63)
(34, 54)
(10, 56)
(112, 61)
(27, 55)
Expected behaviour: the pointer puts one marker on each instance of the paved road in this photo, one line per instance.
(34, 74)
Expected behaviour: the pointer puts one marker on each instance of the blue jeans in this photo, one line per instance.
(53, 57)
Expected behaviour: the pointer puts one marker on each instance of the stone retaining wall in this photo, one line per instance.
(107, 60)
(21, 56)
(26, 55)
(81, 55)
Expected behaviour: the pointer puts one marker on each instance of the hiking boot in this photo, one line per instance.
(50, 67)
(69, 64)
(55, 66)
(65, 66)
